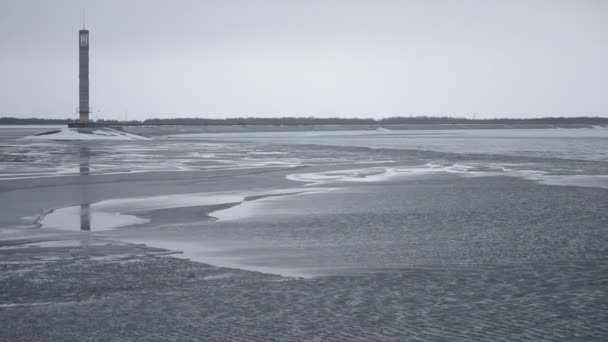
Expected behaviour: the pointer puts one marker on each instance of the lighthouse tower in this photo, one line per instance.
(83, 76)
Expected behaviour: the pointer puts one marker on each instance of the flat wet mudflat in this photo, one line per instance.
(106, 292)
(308, 237)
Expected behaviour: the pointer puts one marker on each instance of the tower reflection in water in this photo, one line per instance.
(85, 208)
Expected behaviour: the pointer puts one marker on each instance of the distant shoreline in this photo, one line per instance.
(173, 129)
(160, 130)
(399, 123)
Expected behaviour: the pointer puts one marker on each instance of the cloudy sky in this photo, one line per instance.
(369, 58)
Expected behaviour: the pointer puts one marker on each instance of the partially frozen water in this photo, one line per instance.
(429, 235)
(583, 143)
(115, 213)
(261, 200)
(379, 174)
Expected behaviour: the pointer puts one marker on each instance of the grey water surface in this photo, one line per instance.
(473, 235)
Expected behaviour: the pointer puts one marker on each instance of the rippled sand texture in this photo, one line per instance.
(126, 292)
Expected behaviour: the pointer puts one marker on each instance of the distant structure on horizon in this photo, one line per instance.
(83, 76)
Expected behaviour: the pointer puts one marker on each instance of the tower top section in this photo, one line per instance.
(83, 36)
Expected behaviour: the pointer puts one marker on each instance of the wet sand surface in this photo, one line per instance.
(116, 241)
(133, 293)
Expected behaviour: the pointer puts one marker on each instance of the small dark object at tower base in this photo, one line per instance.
(78, 124)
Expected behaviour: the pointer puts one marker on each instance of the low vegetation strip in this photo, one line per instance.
(288, 121)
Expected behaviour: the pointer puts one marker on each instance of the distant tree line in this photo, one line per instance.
(286, 121)
(31, 121)
(587, 120)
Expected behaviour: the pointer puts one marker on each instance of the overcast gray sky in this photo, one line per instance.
(369, 58)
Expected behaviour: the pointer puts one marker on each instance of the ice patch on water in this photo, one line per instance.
(40, 158)
(122, 212)
(133, 204)
(26, 175)
(114, 213)
(379, 174)
(265, 152)
(590, 181)
(251, 208)
(67, 243)
(203, 155)
(71, 218)
(373, 174)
